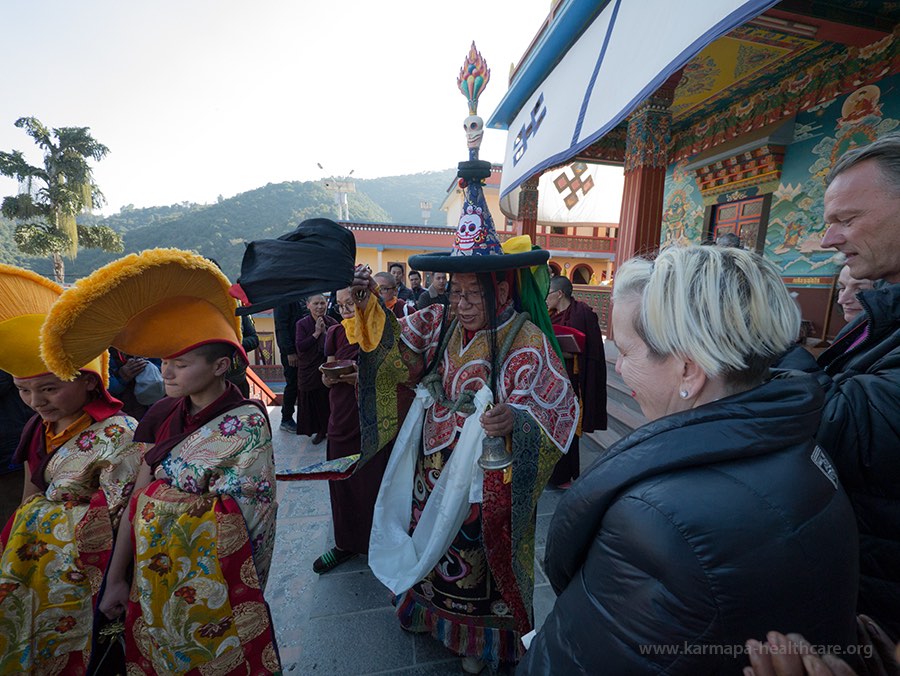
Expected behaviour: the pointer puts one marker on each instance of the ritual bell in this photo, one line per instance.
(493, 452)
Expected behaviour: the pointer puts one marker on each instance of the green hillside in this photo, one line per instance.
(220, 230)
(400, 195)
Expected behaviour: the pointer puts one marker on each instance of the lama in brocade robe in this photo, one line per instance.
(477, 599)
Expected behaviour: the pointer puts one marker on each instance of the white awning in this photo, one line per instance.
(628, 51)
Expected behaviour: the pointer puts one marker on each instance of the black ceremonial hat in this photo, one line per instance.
(317, 257)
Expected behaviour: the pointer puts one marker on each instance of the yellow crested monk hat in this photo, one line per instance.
(25, 300)
(158, 303)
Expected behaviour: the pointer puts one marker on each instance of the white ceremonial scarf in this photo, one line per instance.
(397, 558)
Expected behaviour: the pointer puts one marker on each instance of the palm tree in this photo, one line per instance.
(52, 195)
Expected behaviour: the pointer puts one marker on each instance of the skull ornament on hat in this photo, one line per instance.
(476, 246)
(475, 232)
(474, 127)
(470, 231)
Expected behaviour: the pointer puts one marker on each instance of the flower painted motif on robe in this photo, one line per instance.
(65, 624)
(160, 563)
(264, 491)
(187, 594)
(147, 512)
(230, 426)
(6, 588)
(32, 551)
(74, 576)
(86, 440)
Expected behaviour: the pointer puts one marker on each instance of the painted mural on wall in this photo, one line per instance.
(796, 223)
(683, 207)
(821, 136)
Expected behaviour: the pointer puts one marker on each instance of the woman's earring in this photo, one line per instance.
(684, 394)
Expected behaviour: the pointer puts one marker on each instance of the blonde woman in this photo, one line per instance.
(720, 518)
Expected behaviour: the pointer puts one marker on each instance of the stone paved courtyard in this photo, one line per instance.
(343, 622)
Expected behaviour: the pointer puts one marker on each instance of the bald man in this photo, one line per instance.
(312, 395)
(387, 289)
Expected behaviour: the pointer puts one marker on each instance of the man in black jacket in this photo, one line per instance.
(398, 274)
(249, 341)
(435, 293)
(14, 413)
(415, 286)
(286, 318)
(861, 422)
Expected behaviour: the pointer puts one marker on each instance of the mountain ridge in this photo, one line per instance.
(219, 230)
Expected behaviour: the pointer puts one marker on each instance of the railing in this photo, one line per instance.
(259, 389)
(569, 242)
(599, 298)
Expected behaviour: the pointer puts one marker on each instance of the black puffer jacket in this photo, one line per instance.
(696, 532)
(861, 430)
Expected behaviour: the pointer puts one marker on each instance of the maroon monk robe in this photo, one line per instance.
(168, 422)
(401, 308)
(589, 382)
(312, 395)
(353, 499)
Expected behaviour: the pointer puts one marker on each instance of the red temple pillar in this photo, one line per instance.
(646, 159)
(528, 207)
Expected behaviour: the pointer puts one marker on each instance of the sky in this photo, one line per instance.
(197, 99)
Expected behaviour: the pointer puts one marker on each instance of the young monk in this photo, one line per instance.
(200, 530)
(80, 466)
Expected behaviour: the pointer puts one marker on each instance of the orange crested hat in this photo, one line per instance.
(25, 300)
(158, 303)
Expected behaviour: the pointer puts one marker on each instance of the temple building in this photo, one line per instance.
(724, 115)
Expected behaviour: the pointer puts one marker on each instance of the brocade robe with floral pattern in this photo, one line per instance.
(204, 533)
(55, 549)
